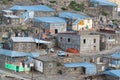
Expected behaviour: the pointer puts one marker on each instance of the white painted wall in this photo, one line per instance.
(39, 65)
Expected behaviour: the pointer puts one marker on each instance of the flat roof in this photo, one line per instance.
(49, 19)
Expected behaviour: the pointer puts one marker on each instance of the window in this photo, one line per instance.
(75, 69)
(94, 40)
(61, 39)
(68, 39)
(56, 31)
(84, 41)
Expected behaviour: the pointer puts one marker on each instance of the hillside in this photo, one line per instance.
(58, 5)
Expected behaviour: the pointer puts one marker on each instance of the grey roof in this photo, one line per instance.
(32, 8)
(49, 19)
(104, 2)
(29, 39)
(72, 15)
(23, 39)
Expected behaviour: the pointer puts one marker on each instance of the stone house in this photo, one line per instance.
(113, 61)
(108, 38)
(33, 10)
(81, 42)
(49, 25)
(97, 59)
(77, 21)
(22, 14)
(45, 65)
(9, 18)
(106, 8)
(22, 44)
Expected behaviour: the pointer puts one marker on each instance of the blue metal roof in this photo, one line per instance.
(49, 19)
(104, 2)
(79, 64)
(32, 8)
(11, 53)
(116, 55)
(72, 15)
(115, 73)
(90, 68)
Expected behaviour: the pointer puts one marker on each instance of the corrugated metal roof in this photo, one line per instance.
(115, 73)
(72, 15)
(11, 53)
(23, 39)
(49, 19)
(11, 16)
(90, 68)
(104, 2)
(32, 8)
(116, 55)
(41, 41)
(79, 64)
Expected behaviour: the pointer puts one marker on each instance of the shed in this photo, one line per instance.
(90, 69)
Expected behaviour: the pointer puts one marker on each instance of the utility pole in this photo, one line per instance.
(32, 73)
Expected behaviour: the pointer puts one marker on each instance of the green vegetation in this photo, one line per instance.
(52, 1)
(59, 64)
(6, 1)
(76, 6)
(63, 8)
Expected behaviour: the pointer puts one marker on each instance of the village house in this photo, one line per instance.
(17, 61)
(83, 68)
(113, 61)
(108, 38)
(20, 14)
(22, 44)
(9, 18)
(49, 25)
(102, 7)
(77, 21)
(45, 65)
(79, 41)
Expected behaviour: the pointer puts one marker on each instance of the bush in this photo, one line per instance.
(59, 64)
(63, 8)
(52, 1)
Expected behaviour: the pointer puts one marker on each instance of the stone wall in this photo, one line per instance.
(24, 47)
(50, 68)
